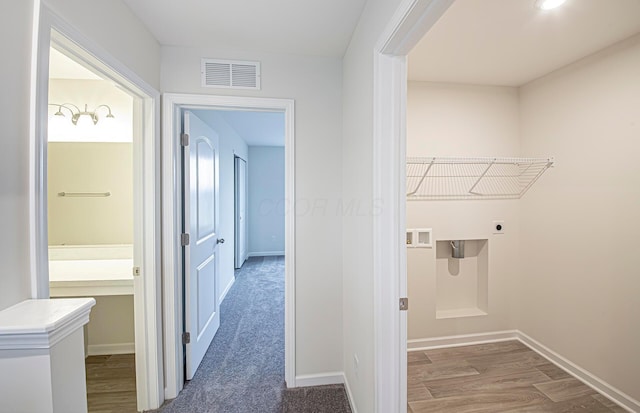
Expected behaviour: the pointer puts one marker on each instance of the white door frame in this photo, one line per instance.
(172, 104)
(407, 26)
(148, 321)
(239, 240)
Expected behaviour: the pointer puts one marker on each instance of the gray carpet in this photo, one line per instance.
(243, 370)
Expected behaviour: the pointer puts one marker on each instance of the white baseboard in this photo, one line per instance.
(265, 254)
(105, 349)
(349, 394)
(599, 385)
(321, 379)
(461, 340)
(324, 379)
(226, 290)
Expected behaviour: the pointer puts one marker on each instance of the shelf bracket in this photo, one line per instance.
(423, 177)
(481, 176)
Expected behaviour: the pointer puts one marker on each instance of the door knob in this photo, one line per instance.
(220, 241)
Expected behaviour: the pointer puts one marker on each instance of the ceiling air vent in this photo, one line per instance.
(230, 74)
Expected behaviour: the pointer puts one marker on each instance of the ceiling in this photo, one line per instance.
(256, 128)
(62, 67)
(510, 42)
(308, 27)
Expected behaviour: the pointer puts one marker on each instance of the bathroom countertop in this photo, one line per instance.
(75, 278)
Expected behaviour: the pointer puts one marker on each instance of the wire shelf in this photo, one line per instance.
(472, 178)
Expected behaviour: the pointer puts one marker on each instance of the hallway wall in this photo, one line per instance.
(16, 21)
(357, 190)
(132, 44)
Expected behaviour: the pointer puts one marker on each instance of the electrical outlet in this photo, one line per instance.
(356, 364)
(498, 227)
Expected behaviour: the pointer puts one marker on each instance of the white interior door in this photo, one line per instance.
(201, 222)
(241, 210)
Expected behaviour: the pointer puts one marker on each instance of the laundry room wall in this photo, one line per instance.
(580, 278)
(470, 121)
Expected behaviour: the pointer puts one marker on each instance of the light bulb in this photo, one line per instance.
(549, 4)
(84, 122)
(58, 128)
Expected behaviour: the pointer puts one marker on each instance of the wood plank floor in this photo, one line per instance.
(111, 383)
(493, 378)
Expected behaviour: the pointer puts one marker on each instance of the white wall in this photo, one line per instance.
(15, 32)
(580, 270)
(462, 120)
(90, 167)
(113, 26)
(266, 200)
(111, 323)
(357, 189)
(230, 145)
(315, 84)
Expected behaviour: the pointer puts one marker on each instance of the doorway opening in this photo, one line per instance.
(461, 314)
(90, 219)
(223, 307)
(240, 214)
(84, 171)
(489, 290)
(224, 118)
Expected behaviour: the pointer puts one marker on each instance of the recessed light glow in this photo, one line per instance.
(549, 4)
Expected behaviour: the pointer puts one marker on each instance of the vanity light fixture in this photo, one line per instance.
(548, 4)
(76, 112)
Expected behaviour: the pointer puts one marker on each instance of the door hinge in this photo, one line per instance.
(184, 239)
(184, 139)
(404, 304)
(136, 271)
(186, 338)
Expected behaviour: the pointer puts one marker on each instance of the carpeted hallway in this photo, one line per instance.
(243, 370)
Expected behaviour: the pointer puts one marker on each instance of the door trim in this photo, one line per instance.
(148, 322)
(412, 20)
(237, 259)
(172, 103)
